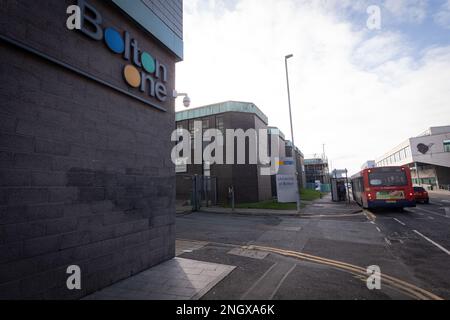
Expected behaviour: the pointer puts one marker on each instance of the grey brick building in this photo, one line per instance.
(248, 183)
(300, 163)
(85, 171)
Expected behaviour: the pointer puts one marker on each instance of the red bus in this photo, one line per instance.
(384, 187)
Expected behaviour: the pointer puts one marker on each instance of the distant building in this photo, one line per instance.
(249, 185)
(428, 156)
(281, 151)
(316, 169)
(369, 164)
(300, 160)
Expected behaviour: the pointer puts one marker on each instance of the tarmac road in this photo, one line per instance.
(420, 238)
(405, 245)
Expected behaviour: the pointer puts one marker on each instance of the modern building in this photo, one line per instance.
(274, 131)
(86, 113)
(295, 152)
(249, 185)
(428, 156)
(369, 164)
(317, 170)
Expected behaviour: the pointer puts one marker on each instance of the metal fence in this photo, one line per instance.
(195, 191)
(325, 188)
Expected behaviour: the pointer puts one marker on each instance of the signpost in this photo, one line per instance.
(287, 188)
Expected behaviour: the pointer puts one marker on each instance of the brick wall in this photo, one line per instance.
(85, 172)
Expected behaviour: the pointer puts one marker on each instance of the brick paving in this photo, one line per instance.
(176, 279)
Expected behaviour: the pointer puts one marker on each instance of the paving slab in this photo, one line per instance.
(185, 246)
(176, 279)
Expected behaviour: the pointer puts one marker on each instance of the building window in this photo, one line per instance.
(219, 124)
(447, 146)
(179, 131)
(191, 127)
(408, 151)
(205, 124)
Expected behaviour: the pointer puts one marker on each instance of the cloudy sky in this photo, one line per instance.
(359, 91)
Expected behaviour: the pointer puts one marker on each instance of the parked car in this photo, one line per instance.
(421, 195)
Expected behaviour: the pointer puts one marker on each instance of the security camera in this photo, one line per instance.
(187, 101)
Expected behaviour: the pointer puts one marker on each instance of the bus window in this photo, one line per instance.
(388, 178)
(376, 182)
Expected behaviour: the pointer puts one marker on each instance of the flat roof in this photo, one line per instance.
(222, 107)
(275, 130)
(316, 161)
(141, 12)
(289, 145)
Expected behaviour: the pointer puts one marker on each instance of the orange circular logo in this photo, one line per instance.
(132, 76)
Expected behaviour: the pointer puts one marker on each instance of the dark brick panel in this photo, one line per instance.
(85, 172)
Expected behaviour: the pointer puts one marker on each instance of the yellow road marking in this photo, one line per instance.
(392, 282)
(409, 289)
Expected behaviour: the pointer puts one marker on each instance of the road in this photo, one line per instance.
(409, 246)
(420, 238)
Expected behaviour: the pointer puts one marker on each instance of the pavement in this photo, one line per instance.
(322, 206)
(176, 279)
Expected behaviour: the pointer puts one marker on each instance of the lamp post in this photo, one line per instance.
(292, 129)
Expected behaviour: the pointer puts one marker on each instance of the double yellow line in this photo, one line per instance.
(405, 287)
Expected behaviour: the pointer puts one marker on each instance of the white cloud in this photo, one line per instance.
(359, 92)
(381, 48)
(442, 17)
(412, 11)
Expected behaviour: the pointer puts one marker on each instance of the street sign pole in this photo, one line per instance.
(292, 130)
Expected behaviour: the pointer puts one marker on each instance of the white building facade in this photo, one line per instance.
(428, 156)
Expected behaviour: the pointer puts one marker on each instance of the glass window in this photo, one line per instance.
(447, 146)
(219, 123)
(205, 124)
(408, 151)
(191, 127)
(388, 178)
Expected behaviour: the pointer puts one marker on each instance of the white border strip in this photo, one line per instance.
(432, 242)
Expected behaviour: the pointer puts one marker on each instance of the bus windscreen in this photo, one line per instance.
(388, 178)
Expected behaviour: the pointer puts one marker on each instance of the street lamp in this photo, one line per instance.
(292, 128)
(186, 100)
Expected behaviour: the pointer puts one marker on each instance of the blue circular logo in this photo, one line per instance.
(114, 40)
